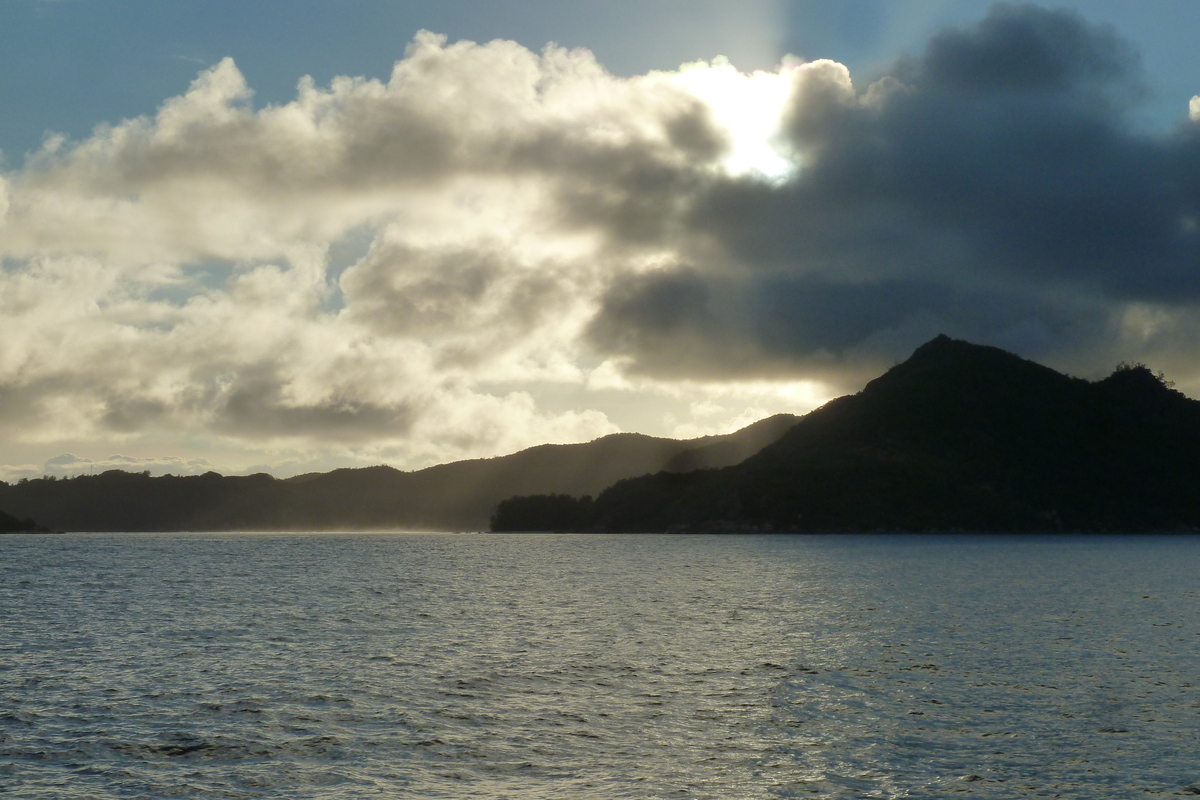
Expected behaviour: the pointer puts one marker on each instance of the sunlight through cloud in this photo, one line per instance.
(750, 107)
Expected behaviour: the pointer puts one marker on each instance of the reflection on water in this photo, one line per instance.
(347, 666)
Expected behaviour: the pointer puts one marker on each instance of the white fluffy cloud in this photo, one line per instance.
(373, 271)
(211, 177)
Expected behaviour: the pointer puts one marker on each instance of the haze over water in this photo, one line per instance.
(453, 666)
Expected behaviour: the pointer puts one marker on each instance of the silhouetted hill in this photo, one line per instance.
(959, 436)
(456, 496)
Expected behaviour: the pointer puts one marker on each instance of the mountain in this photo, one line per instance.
(455, 496)
(959, 436)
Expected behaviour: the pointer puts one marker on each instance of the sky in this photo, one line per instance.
(291, 237)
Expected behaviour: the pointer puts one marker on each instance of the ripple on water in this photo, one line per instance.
(349, 666)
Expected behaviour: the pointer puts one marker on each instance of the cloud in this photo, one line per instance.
(1023, 48)
(423, 268)
(211, 177)
(11, 473)
(993, 186)
(172, 275)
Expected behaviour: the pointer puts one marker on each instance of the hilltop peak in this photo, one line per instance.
(942, 350)
(945, 364)
(941, 342)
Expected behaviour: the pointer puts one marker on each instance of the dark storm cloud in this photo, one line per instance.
(674, 323)
(679, 323)
(1026, 48)
(970, 191)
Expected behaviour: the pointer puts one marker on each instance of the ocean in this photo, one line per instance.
(598, 666)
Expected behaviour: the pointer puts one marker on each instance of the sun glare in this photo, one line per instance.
(750, 107)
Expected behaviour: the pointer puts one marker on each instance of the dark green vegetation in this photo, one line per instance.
(959, 436)
(456, 496)
(10, 524)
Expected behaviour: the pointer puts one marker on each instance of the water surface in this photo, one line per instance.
(474, 666)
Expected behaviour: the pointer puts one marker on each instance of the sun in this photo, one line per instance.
(750, 107)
